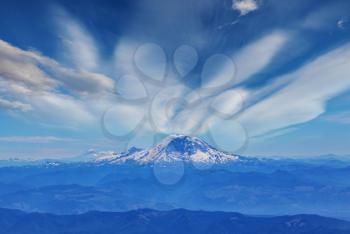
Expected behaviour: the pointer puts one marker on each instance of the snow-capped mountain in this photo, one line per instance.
(170, 149)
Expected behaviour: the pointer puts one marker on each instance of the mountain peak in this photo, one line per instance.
(174, 148)
(183, 144)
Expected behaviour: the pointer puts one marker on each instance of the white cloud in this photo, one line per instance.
(29, 73)
(121, 118)
(291, 99)
(218, 70)
(124, 57)
(14, 105)
(306, 96)
(20, 66)
(170, 118)
(31, 81)
(229, 102)
(37, 71)
(203, 115)
(81, 81)
(258, 54)
(57, 108)
(34, 139)
(79, 45)
(245, 6)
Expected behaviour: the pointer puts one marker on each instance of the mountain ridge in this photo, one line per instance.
(171, 221)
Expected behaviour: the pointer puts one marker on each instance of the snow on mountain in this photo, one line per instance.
(170, 149)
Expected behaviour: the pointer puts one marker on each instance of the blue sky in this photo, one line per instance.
(256, 77)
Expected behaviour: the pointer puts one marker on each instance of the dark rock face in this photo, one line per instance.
(184, 144)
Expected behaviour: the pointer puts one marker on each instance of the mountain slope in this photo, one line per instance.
(172, 148)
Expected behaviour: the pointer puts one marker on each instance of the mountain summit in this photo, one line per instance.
(170, 149)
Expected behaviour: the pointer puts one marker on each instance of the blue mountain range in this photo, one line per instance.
(175, 221)
(209, 180)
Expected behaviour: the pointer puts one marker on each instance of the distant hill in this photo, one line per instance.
(174, 221)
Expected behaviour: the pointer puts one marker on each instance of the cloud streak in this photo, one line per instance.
(342, 118)
(255, 56)
(34, 139)
(305, 98)
(79, 45)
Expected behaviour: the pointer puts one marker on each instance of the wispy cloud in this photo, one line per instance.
(79, 46)
(188, 120)
(255, 56)
(343, 117)
(14, 105)
(305, 98)
(34, 139)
